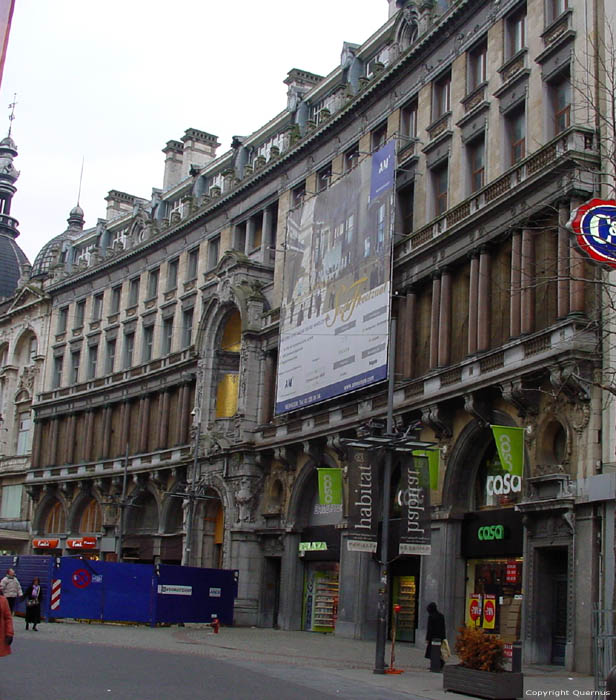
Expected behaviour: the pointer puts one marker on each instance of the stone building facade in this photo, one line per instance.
(156, 437)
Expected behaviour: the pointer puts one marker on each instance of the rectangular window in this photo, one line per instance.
(24, 435)
(62, 320)
(187, 324)
(110, 356)
(477, 66)
(58, 361)
(555, 8)
(560, 92)
(148, 339)
(476, 163)
(167, 336)
(515, 33)
(193, 264)
(298, 194)
(515, 125)
(213, 252)
(80, 311)
(10, 507)
(116, 296)
(256, 231)
(97, 307)
(129, 347)
(75, 360)
(172, 274)
(406, 201)
(440, 177)
(379, 136)
(33, 347)
(351, 158)
(153, 283)
(441, 94)
(324, 177)
(92, 361)
(408, 120)
(133, 292)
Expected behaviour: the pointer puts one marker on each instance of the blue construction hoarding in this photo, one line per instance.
(109, 591)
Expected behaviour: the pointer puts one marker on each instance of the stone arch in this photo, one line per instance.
(465, 459)
(407, 27)
(80, 504)
(299, 505)
(48, 503)
(143, 514)
(212, 515)
(26, 347)
(172, 514)
(554, 443)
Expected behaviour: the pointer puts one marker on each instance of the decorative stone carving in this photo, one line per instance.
(477, 408)
(525, 399)
(244, 499)
(570, 381)
(439, 419)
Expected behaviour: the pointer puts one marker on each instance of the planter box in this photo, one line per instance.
(483, 684)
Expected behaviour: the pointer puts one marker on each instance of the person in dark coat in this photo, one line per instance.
(435, 629)
(33, 603)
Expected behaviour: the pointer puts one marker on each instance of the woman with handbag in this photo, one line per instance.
(33, 603)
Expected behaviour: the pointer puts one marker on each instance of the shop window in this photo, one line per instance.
(91, 518)
(55, 522)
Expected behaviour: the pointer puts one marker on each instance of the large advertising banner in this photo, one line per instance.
(334, 316)
(415, 535)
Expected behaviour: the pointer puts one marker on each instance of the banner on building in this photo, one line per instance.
(330, 487)
(510, 446)
(335, 307)
(415, 532)
(363, 501)
(433, 457)
(489, 612)
(474, 609)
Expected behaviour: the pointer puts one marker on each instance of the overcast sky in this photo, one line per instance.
(112, 81)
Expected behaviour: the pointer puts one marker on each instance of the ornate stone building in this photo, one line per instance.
(156, 437)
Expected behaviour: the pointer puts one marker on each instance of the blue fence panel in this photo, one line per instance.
(27, 566)
(190, 594)
(96, 590)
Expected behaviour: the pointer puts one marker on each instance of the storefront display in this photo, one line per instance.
(404, 594)
(321, 598)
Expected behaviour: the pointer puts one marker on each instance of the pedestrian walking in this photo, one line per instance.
(6, 627)
(33, 603)
(11, 589)
(435, 629)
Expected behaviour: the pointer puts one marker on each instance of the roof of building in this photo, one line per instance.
(11, 259)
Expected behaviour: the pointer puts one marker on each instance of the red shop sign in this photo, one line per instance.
(45, 544)
(511, 572)
(81, 543)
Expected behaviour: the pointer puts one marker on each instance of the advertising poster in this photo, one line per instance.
(334, 315)
(363, 504)
(415, 533)
(489, 612)
(474, 609)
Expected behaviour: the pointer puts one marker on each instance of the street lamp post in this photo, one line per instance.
(391, 443)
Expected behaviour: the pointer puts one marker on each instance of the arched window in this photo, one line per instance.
(91, 518)
(228, 357)
(55, 522)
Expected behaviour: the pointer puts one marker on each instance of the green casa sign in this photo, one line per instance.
(491, 532)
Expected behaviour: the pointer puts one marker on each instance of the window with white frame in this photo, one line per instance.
(167, 336)
(116, 297)
(24, 432)
(441, 96)
(555, 8)
(129, 348)
(192, 264)
(75, 361)
(92, 360)
(133, 292)
(408, 120)
(62, 320)
(10, 505)
(477, 66)
(58, 362)
(110, 355)
(147, 344)
(32, 347)
(515, 32)
(153, 283)
(97, 307)
(172, 274)
(213, 251)
(187, 327)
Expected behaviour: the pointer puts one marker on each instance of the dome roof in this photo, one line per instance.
(11, 259)
(47, 255)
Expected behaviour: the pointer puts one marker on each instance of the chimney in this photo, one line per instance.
(199, 148)
(173, 164)
(119, 204)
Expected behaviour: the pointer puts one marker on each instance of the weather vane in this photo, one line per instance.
(12, 114)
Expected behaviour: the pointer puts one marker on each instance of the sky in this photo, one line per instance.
(108, 83)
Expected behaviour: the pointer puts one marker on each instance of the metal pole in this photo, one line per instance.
(123, 506)
(191, 497)
(383, 603)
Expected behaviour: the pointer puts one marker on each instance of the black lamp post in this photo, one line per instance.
(391, 443)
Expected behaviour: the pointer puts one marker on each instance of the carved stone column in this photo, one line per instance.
(528, 282)
(269, 381)
(563, 272)
(69, 448)
(89, 433)
(444, 330)
(53, 442)
(473, 294)
(515, 305)
(144, 423)
(410, 314)
(105, 440)
(434, 319)
(483, 305)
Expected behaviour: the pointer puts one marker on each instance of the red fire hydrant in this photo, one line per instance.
(215, 625)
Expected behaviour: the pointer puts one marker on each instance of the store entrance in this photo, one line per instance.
(552, 584)
(404, 588)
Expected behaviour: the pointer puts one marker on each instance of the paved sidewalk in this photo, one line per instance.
(287, 653)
